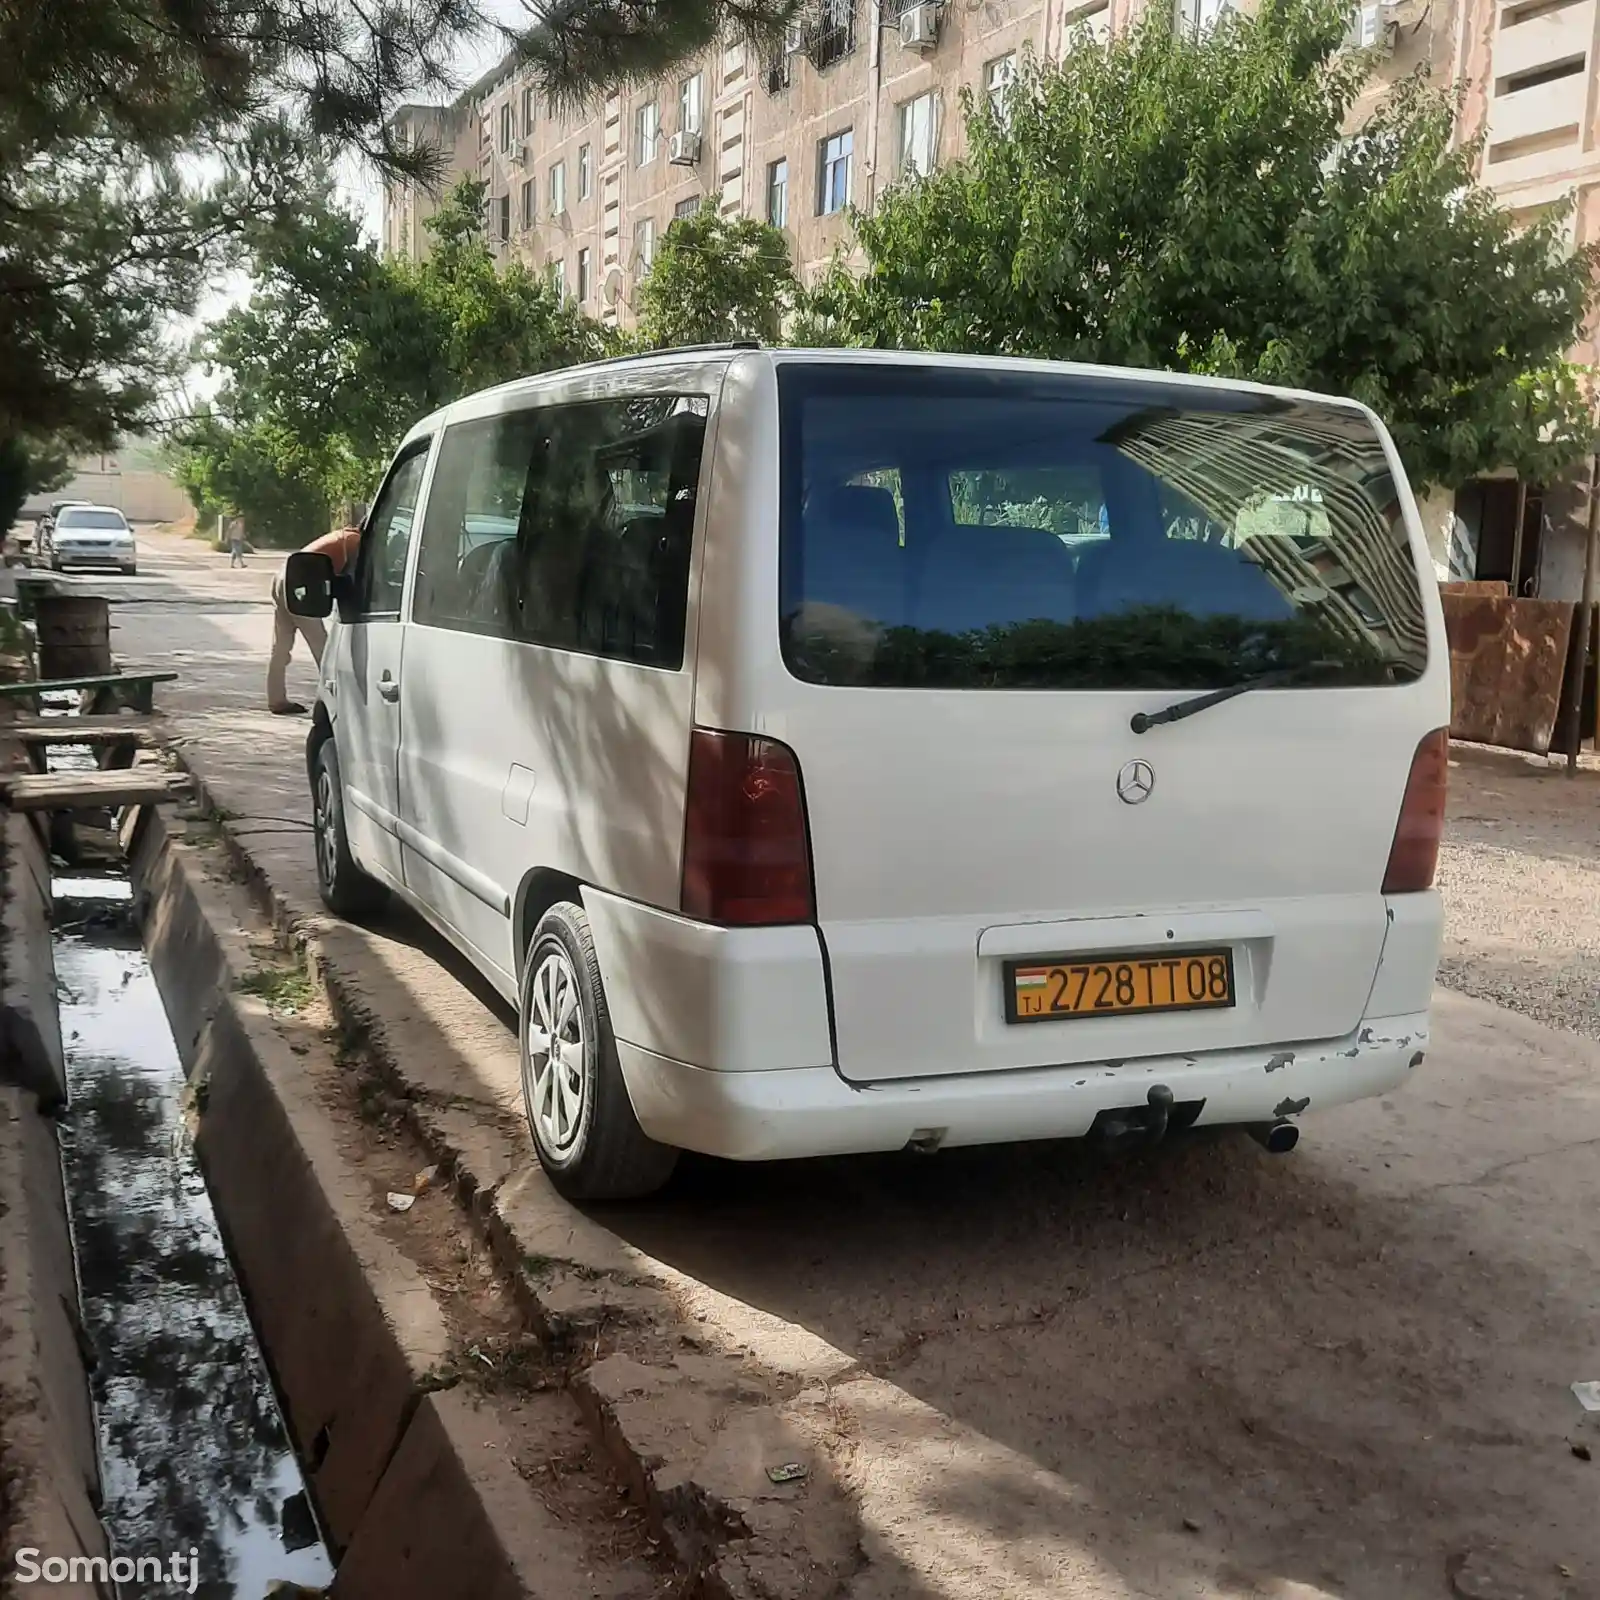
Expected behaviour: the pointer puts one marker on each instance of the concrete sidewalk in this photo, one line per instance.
(1026, 1373)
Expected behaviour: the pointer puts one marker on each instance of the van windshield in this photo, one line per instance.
(1010, 530)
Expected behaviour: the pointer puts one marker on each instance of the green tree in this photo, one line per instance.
(339, 351)
(714, 280)
(226, 468)
(113, 113)
(28, 466)
(1194, 204)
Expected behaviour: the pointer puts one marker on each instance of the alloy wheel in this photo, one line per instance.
(554, 1081)
(327, 828)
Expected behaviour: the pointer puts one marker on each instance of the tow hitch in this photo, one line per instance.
(1123, 1127)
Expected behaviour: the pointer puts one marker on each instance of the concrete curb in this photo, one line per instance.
(411, 1495)
(30, 1022)
(693, 1428)
(49, 1467)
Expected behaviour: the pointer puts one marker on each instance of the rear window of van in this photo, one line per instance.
(962, 529)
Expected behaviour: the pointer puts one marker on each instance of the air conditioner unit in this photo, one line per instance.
(919, 27)
(524, 156)
(683, 148)
(1372, 27)
(794, 39)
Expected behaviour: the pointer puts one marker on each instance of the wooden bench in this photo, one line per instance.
(90, 791)
(31, 728)
(115, 739)
(135, 690)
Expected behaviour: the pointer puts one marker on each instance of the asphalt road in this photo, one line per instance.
(1201, 1372)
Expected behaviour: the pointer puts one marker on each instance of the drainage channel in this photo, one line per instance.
(195, 1458)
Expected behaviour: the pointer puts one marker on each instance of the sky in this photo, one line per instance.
(357, 184)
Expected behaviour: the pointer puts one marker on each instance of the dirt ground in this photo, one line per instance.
(1520, 873)
(1203, 1372)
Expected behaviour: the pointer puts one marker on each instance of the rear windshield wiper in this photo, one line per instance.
(1144, 721)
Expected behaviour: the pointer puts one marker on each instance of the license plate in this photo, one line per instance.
(1120, 985)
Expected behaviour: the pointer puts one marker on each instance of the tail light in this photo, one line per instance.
(746, 851)
(1414, 855)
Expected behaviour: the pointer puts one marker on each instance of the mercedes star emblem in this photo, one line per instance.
(1135, 782)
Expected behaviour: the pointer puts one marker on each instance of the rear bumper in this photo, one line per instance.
(812, 1111)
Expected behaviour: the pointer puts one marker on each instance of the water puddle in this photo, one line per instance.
(194, 1452)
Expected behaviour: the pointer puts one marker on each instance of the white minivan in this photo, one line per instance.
(834, 751)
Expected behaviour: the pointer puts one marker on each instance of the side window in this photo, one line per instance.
(1064, 501)
(606, 527)
(380, 574)
(468, 574)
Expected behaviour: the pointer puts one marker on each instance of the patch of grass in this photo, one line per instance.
(283, 988)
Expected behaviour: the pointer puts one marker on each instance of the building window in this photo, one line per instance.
(689, 94)
(998, 77)
(527, 204)
(1195, 16)
(585, 172)
(584, 285)
(833, 172)
(647, 133)
(558, 277)
(505, 127)
(503, 218)
(775, 73)
(558, 188)
(833, 35)
(778, 193)
(530, 111)
(686, 208)
(644, 243)
(919, 132)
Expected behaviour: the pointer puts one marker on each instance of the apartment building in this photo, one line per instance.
(865, 91)
(451, 130)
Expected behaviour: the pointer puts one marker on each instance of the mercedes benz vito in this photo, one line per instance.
(834, 751)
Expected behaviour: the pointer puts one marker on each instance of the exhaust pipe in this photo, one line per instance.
(1277, 1138)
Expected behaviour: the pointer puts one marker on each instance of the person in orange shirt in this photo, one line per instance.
(340, 547)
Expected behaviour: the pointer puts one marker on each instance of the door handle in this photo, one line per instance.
(388, 688)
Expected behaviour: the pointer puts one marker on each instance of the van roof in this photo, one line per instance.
(725, 354)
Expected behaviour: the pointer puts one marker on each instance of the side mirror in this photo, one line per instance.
(308, 584)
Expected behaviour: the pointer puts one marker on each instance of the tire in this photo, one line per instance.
(346, 890)
(589, 1141)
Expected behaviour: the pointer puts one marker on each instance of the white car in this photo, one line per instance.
(809, 792)
(93, 536)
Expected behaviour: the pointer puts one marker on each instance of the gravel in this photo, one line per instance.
(1520, 876)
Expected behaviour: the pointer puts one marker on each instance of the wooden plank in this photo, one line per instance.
(110, 680)
(81, 730)
(25, 721)
(84, 791)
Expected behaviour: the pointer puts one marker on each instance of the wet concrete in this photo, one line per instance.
(195, 1455)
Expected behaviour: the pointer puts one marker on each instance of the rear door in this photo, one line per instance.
(984, 577)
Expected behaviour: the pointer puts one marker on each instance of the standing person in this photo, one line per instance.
(236, 542)
(340, 548)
